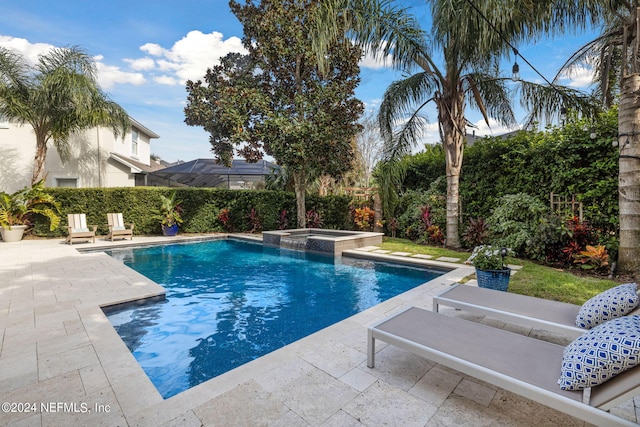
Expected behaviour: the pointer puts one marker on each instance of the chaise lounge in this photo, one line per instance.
(522, 365)
(523, 310)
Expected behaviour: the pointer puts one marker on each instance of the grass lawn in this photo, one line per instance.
(533, 279)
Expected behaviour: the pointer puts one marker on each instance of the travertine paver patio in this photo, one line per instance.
(61, 356)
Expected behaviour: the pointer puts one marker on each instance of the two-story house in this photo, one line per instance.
(97, 158)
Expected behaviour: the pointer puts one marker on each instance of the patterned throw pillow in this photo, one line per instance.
(612, 303)
(601, 353)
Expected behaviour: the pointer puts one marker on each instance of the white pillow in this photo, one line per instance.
(612, 303)
(601, 353)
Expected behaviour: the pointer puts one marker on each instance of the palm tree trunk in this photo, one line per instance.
(452, 125)
(629, 174)
(453, 145)
(300, 188)
(40, 157)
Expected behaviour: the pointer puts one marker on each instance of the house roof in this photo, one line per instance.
(210, 173)
(142, 128)
(136, 166)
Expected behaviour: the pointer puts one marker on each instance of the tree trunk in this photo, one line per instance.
(300, 188)
(38, 161)
(452, 125)
(453, 152)
(629, 174)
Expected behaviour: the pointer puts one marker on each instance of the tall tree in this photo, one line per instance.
(57, 97)
(457, 67)
(278, 101)
(369, 149)
(615, 56)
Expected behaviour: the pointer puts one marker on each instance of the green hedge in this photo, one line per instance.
(563, 160)
(201, 208)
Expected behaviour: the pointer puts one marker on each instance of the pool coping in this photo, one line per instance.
(58, 345)
(150, 400)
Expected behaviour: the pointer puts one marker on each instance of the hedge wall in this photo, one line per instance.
(201, 208)
(563, 160)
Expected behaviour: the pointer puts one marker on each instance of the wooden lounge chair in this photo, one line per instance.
(522, 365)
(79, 230)
(522, 310)
(117, 227)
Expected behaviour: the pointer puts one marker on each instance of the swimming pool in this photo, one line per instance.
(229, 302)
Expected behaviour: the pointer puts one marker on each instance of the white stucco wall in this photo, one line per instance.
(89, 163)
(17, 145)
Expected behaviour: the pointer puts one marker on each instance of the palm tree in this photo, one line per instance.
(469, 46)
(615, 56)
(57, 97)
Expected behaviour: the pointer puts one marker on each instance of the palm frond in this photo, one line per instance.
(492, 96)
(389, 175)
(72, 59)
(546, 103)
(377, 26)
(406, 137)
(401, 99)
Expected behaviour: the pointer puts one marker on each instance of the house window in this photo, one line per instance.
(67, 182)
(134, 142)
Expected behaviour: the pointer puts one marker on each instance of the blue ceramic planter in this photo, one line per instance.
(170, 230)
(493, 279)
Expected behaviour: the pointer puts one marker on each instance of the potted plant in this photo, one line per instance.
(169, 214)
(491, 270)
(17, 210)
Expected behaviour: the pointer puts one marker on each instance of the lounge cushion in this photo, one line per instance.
(601, 353)
(79, 230)
(612, 303)
(118, 228)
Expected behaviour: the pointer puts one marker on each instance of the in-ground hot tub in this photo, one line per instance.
(318, 240)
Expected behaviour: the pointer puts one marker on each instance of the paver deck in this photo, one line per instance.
(61, 362)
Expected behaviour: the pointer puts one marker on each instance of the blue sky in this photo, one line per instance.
(145, 51)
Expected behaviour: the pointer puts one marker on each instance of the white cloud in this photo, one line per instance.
(190, 56)
(152, 49)
(493, 129)
(30, 51)
(142, 64)
(375, 60)
(579, 77)
(369, 61)
(166, 80)
(108, 75)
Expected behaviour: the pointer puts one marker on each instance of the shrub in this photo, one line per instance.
(363, 218)
(594, 257)
(313, 219)
(283, 220)
(514, 221)
(205, 220)
(205, 209)
(562, 160)
(417, 211)
(255, 224)
(476, 233)
(224, 216)
(549, 239)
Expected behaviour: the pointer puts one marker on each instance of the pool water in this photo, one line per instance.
(229, 302)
